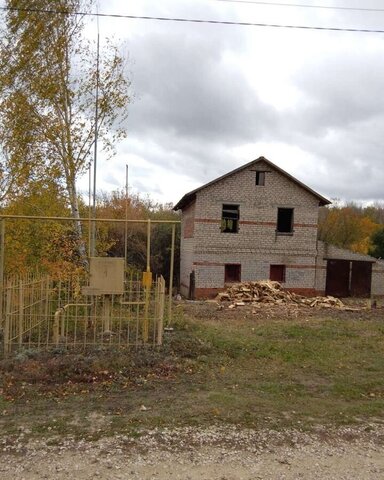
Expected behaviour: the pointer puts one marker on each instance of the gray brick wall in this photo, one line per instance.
(257, 245)
(187, 245)
(378, 279)
(300, 270)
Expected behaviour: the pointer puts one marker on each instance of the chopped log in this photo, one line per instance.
(271, 292)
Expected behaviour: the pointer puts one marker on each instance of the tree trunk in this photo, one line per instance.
(75, 212)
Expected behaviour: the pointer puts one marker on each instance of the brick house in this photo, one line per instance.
(258, 222)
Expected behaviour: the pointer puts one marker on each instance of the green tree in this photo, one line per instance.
(346, 227)
(18, 166)
(30, 244)
(111, 237)
(11, 175)
(48, 79)
(377, 244)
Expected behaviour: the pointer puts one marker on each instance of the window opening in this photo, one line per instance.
(277, 273)
(230, 219)
(232, 273)
(260, 178)
(285, 220)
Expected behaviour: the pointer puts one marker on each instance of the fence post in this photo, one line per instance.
(160, 324)
(148, 284)
(21, 312)
(171, 274)
(46, 306)
(7, 322)
(106, 314)
(55, 329)
(62, 324)
(2, 254)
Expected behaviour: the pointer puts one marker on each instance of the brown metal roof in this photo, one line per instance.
(190, 196)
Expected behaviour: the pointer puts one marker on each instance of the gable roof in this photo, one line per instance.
(190, 196)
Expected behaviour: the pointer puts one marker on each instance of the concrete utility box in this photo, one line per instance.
(106, 276)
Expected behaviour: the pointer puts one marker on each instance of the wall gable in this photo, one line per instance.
(261, 164)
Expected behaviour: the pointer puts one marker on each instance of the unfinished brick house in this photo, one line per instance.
(258, 222)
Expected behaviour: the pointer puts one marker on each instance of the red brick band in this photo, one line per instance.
(220, 264)
(251, 222)
(209, 264)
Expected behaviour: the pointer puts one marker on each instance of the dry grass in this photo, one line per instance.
(270, 369)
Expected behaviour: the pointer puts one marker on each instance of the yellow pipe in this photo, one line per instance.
(148, 245)
(81, 219)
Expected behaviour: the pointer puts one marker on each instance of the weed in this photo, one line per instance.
(274, 372)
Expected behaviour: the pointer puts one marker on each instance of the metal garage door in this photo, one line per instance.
(361, 279)
(348, 278)
(337, 281)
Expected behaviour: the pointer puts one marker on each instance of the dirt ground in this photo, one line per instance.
(214, 453)
(358, 308)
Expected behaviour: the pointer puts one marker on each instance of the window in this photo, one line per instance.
(230, 219)
(260, 178)
(277, 273)
(284, 220)
(232, 273)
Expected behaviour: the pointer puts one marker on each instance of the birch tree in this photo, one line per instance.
(16, 168)
(48, 78)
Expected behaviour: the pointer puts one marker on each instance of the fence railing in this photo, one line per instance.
(39, 313)
(26, 303)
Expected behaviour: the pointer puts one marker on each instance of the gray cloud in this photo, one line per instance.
(194, 107)
(339, 121)
(184, 87)
(341, 90)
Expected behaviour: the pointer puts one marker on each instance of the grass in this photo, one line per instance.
(275, 372)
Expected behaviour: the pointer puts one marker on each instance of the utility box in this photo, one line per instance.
(106, 276)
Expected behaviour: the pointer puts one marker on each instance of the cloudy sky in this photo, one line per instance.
(209, 98)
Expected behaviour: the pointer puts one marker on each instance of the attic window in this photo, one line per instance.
(230, 219)
(260, 178)
(284, 220)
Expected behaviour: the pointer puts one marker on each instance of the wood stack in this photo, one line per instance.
(267, 291)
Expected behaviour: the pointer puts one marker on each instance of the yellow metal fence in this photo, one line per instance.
(41, 313)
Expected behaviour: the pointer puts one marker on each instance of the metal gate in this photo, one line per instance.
(337, 281)
(348, 278)
(361, 279)
(37, 311)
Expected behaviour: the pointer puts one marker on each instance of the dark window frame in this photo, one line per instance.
(260, 178)
(285, 220)
(232, 272)
(277, 273)
(230, 217)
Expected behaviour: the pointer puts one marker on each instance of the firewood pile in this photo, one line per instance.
(269, 292)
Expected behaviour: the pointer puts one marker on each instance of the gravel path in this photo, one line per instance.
(206, 454)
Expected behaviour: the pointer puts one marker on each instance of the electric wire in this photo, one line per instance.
(197, 21)
(302, 5)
